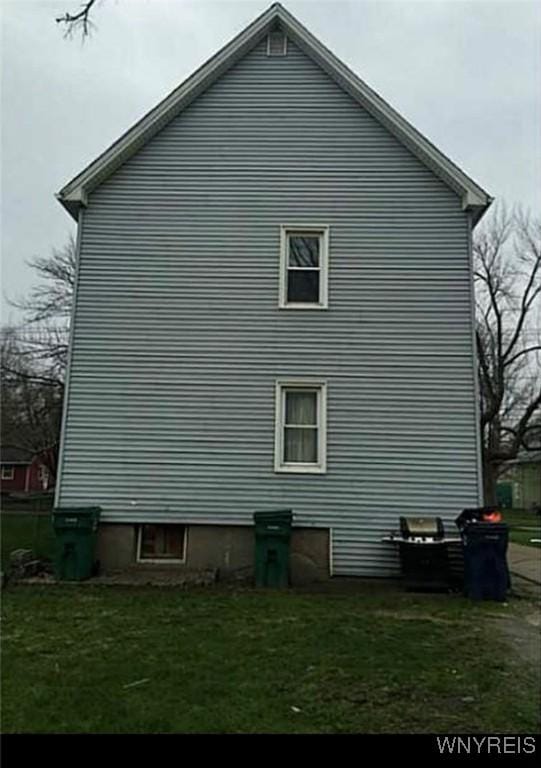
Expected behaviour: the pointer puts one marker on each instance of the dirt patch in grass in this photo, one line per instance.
(521, 631)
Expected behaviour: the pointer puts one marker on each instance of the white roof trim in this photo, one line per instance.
(76, 192)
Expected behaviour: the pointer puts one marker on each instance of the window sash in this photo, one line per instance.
(312, 235)
(303, 287)
(303, 441)
(299, 391)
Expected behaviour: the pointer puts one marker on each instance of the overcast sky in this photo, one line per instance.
(466, 73)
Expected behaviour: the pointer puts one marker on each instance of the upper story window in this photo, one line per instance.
(304, 261)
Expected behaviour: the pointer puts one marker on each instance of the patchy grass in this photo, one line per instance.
(24, 531)
(520, 536)
(519, 518)
(523, 526)
(102, 659)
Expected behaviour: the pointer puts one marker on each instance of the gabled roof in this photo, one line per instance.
(76, 192)
(11, 455)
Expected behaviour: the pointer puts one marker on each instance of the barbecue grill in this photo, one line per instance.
(423, 549)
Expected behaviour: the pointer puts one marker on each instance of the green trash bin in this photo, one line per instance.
(76, 532)
(272, 539)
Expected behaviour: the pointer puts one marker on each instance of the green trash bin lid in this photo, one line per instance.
(274, 523)
(76, 517)
(274, 516)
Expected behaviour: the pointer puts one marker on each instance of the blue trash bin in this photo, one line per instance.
(486, 574)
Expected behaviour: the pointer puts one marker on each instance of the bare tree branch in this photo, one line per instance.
(521, 353)
(52, 296)
(78, 21)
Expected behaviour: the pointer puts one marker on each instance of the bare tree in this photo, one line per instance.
(52, 298)
(47, 310)
(80, 21)
(507, 253)
(31, 401)
(34, 357)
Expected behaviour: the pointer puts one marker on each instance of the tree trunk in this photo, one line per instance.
(490, 478)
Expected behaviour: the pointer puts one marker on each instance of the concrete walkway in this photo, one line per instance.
(525, 562)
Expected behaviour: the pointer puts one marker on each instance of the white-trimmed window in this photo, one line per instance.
(304, 267)
(301, 429)
(161, 543)
(8, 473)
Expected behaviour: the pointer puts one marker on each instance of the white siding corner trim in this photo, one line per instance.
(73, 315)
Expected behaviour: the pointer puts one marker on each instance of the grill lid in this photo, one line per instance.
(413, 527)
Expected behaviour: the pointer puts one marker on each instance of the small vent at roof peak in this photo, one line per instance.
(277, 42)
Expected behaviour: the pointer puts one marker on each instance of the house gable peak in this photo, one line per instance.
(278, 25)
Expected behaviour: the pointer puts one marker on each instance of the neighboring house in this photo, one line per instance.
(22, 472)
(273, 309)
(520, 485)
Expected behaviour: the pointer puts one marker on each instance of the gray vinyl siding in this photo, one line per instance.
(178, 339)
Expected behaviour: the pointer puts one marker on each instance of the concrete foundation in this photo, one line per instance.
(228, 548)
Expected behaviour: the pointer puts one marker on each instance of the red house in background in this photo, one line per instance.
(22, 472)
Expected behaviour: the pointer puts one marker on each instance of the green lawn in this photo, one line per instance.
(104, 659)
(520, 518)
(523, 526)
(22, 531)
(519, 536)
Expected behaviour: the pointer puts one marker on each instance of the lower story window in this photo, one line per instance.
(8, 473)
(300, 439)
(161, 543)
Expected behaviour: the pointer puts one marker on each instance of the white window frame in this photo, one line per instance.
(310, 230)
(8, 473)
(161, 560)
(281, 386)
(284, 49)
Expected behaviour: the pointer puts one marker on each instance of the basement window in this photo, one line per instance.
(161, 543)
(8, 473)
(276, 43)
